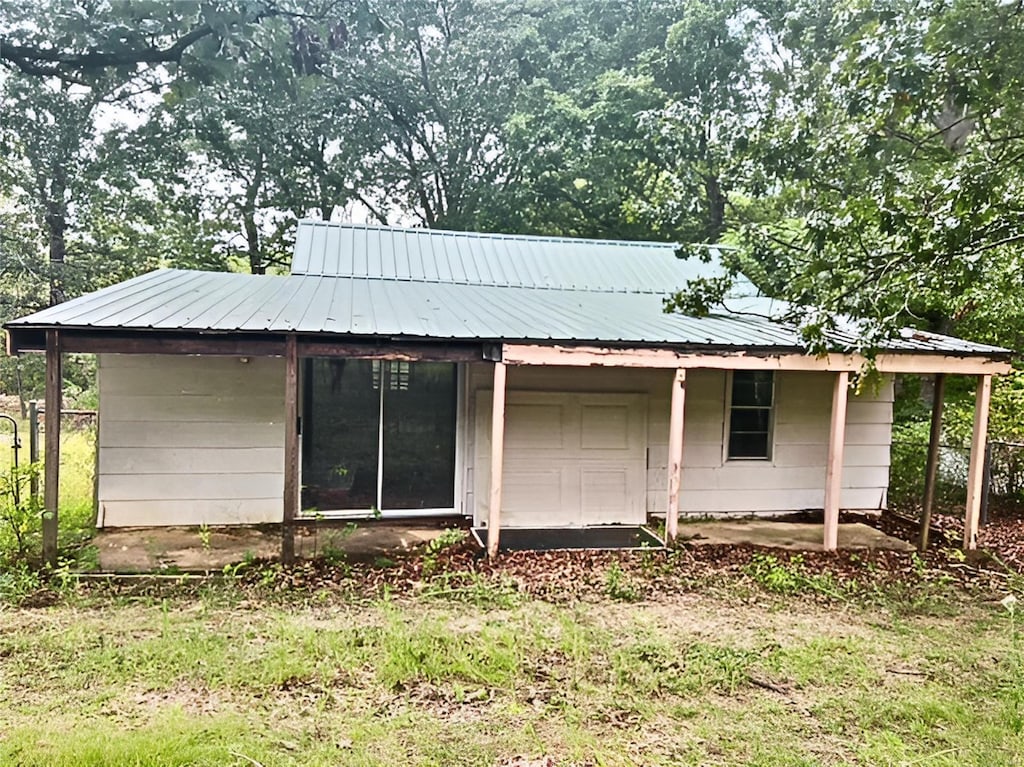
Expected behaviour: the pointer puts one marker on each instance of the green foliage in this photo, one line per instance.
(886, 142)
(619, 586)
(20, 512)
(448, 538)
(790, 576)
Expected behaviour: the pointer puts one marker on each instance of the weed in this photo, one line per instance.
(17, 581)
(1015, 661)
(791, 577)
(204, 536)
(448, 538)
(474, 589)
(774, 575)
(619, 586)
(19, 510)
(333, 555)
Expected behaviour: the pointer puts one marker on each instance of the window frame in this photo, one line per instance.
(727, 421)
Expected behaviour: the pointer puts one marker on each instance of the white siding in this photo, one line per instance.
(187, 440)
(794, 478)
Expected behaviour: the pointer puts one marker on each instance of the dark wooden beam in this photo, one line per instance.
(159, 343)
(51, 481)
(398, 350)
(291, 450)
(931, 469)
(112, 341)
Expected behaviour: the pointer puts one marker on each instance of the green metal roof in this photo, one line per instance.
(360, 281)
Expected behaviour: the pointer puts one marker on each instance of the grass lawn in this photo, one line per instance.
(730, 674)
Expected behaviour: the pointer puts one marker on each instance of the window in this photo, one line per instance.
(397, 375)
(367, 446)
(750, 414)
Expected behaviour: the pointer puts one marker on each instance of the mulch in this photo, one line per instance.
(572, 576)
(463, 572)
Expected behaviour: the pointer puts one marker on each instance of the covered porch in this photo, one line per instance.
(841, 367)
(500, 358)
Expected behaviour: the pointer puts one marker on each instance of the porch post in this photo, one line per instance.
(976, 469)
(291, 449)
(497, 459)
(675, 454)
(834, 471)
(932, 465)
(51, 480)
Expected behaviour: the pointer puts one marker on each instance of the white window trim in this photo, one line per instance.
(727, 422)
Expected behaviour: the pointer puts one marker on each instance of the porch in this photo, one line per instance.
(677, 366)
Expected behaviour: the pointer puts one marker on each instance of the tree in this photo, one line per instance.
(901, 199)
(77, 41)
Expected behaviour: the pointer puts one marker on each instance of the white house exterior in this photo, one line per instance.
(379, 377)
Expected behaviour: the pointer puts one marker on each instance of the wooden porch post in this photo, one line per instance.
(976, 469)
(834, 472)
(932, 464)
(675, 454)
(497, 459)
(51, 480)
(291, 449)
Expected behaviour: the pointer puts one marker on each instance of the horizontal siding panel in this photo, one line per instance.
(874, 434)
(190, 440)
(253, 511)
(190, 487)
(244, 379)
(201, 460)
(753, 474)
(795, 477)
(197, 434)
(862, 477)
(863, 498)
(869, 412)
(749, 500)
(866, 455)
(231, 408)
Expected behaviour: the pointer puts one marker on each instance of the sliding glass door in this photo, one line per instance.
(378, 435)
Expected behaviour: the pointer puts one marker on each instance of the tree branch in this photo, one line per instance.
(53, 62)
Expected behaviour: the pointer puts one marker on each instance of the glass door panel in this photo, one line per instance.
(340, 434)
(419, 435)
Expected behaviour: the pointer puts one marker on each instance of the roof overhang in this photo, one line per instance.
(109, 341)
(105, 341)
(885, 362)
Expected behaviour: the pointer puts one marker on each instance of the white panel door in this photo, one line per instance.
(570, 459)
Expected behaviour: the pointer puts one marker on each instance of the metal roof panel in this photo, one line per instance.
(367, 281)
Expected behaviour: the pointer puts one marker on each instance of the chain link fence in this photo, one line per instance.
(1003, 489)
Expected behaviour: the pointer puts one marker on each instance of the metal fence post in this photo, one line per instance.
(986, 483)
(33, 448)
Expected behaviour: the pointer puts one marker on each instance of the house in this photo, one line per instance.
(521, 381)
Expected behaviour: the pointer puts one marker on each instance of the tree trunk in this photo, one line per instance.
(252, 232)
(56, 225)
(716, 210)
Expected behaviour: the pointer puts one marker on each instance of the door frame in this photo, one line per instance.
(461, 400)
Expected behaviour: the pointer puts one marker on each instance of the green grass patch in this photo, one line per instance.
(725, 678)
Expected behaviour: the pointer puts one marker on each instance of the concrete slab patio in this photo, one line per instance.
(793, 536)
(190, 549)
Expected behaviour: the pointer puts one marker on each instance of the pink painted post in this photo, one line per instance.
(976, 468)
(675, 454)
(834, 473)
(497, 459)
